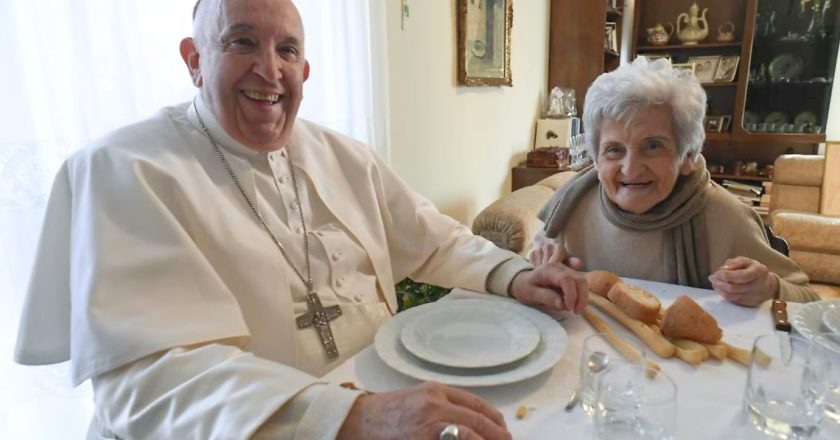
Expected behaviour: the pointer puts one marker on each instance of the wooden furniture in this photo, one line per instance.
(771, 37)
(523, 176)
(577, 47)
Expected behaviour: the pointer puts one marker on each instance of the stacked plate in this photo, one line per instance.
(817, 317)
(471, 342)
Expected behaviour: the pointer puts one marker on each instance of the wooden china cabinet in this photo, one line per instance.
(778, 100)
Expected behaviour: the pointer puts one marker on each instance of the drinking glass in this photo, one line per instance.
(786, 386)
(831, 342)
(595, 345)
(635, 402)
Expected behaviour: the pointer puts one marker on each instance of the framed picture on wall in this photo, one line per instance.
(484, 28)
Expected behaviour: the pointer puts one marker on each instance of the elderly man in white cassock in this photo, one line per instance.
(206, 266)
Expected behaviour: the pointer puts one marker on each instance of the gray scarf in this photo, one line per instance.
(679, 216)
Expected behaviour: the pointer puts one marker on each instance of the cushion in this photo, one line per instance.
(511, 221)
(799, 169)
(555, 180)
(808, 232)
(795, 198)
(819, 267)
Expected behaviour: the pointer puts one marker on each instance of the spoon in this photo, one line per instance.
(597, 362)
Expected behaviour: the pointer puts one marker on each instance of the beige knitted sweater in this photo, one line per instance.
(732, 230)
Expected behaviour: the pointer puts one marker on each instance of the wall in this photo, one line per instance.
(456, 145)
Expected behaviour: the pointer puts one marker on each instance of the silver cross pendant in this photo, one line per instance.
(320, 317)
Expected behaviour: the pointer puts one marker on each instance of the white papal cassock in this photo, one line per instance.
(153, 278)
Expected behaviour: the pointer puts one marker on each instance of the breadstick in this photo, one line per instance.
(717, 351)
(655, 341)
(690, 351)
(738, 354)
(620, 346)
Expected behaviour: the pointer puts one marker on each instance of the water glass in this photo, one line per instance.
(593, 347)
(831, 342)
(786, 385)
(635, 402)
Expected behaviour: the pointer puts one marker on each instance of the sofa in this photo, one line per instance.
(813, 238)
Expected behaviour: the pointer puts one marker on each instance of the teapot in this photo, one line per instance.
(658, 36)
(696, 27)
(726, 32)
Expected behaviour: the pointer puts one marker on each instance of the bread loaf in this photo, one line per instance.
(600, 281)
(636, 302)
(686, 319)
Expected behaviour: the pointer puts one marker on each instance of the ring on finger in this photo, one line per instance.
(450, 432)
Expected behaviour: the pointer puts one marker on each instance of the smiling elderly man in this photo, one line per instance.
(205, 266)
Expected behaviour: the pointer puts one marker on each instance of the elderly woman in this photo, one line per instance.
(647, 209)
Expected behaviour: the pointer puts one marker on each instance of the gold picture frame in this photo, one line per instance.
(484, 32)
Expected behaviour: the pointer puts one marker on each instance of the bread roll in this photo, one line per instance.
(686, 319)
(600, 281)
(636, 302)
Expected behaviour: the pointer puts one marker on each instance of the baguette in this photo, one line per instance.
(655, 341)
(738, 354)
(717, 351)
(620, 346)
(692, 352)
(636, 302)
(600, 281)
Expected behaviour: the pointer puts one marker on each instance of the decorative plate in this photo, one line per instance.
(464, 336)
(808, 319)
(805, 118)
(785, 67)
(831, 319)
(776, 118)
(550, 349)
(751, 117)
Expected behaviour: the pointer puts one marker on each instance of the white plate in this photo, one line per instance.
(805, 118)
(808, 319)
(464, 336)
(548, 352)
(831, 319)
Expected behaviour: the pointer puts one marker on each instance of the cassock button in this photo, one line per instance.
(339, 282)
(319, 233)
(336, 255)
(282, 180)
(357, 298)
(292, 206)
(299, 230)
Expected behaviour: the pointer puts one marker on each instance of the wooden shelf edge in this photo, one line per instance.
(788, 138)
(611, 52)
(718, 136)
(740, 177)
(719, 84)
(687, 46)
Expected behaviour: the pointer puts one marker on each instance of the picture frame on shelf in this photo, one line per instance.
(685, 66)
(611, 37)
(713, 124)
(705, 67)
(652, 57)
(725, 122)
(727, 68)
(484, 51)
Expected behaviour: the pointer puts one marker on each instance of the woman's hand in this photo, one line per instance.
(744, 281)
(554, 286)
(422, 412)
(553, 253)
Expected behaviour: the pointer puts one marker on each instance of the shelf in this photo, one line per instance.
(718, 136)
(740, 177)
(768, 84)
(687, 46)
(781, 138)
(719, 84)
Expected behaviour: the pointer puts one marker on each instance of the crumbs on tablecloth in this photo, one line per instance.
(522, 411)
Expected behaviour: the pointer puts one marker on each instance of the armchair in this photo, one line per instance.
(814, 238)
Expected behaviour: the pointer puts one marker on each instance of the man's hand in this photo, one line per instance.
(553, 285)
(421, 412)
(744, 281)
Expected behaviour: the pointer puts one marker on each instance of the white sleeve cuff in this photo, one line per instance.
(499, 279)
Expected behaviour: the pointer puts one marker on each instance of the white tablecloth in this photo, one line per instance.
(709, 397)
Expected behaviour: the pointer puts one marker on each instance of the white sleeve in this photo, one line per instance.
(217, 391)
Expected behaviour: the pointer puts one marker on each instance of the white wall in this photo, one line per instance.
(456, 145)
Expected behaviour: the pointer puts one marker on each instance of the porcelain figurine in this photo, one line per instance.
(726, 32)
(658, 36)
(696, 27)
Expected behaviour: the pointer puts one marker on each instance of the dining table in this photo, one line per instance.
(709, 396)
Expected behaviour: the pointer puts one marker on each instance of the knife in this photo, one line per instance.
(780, 322)
(780, 316)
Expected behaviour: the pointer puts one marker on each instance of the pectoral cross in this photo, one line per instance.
(320, 317)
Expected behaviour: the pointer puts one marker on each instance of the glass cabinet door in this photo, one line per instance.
(792, 64)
